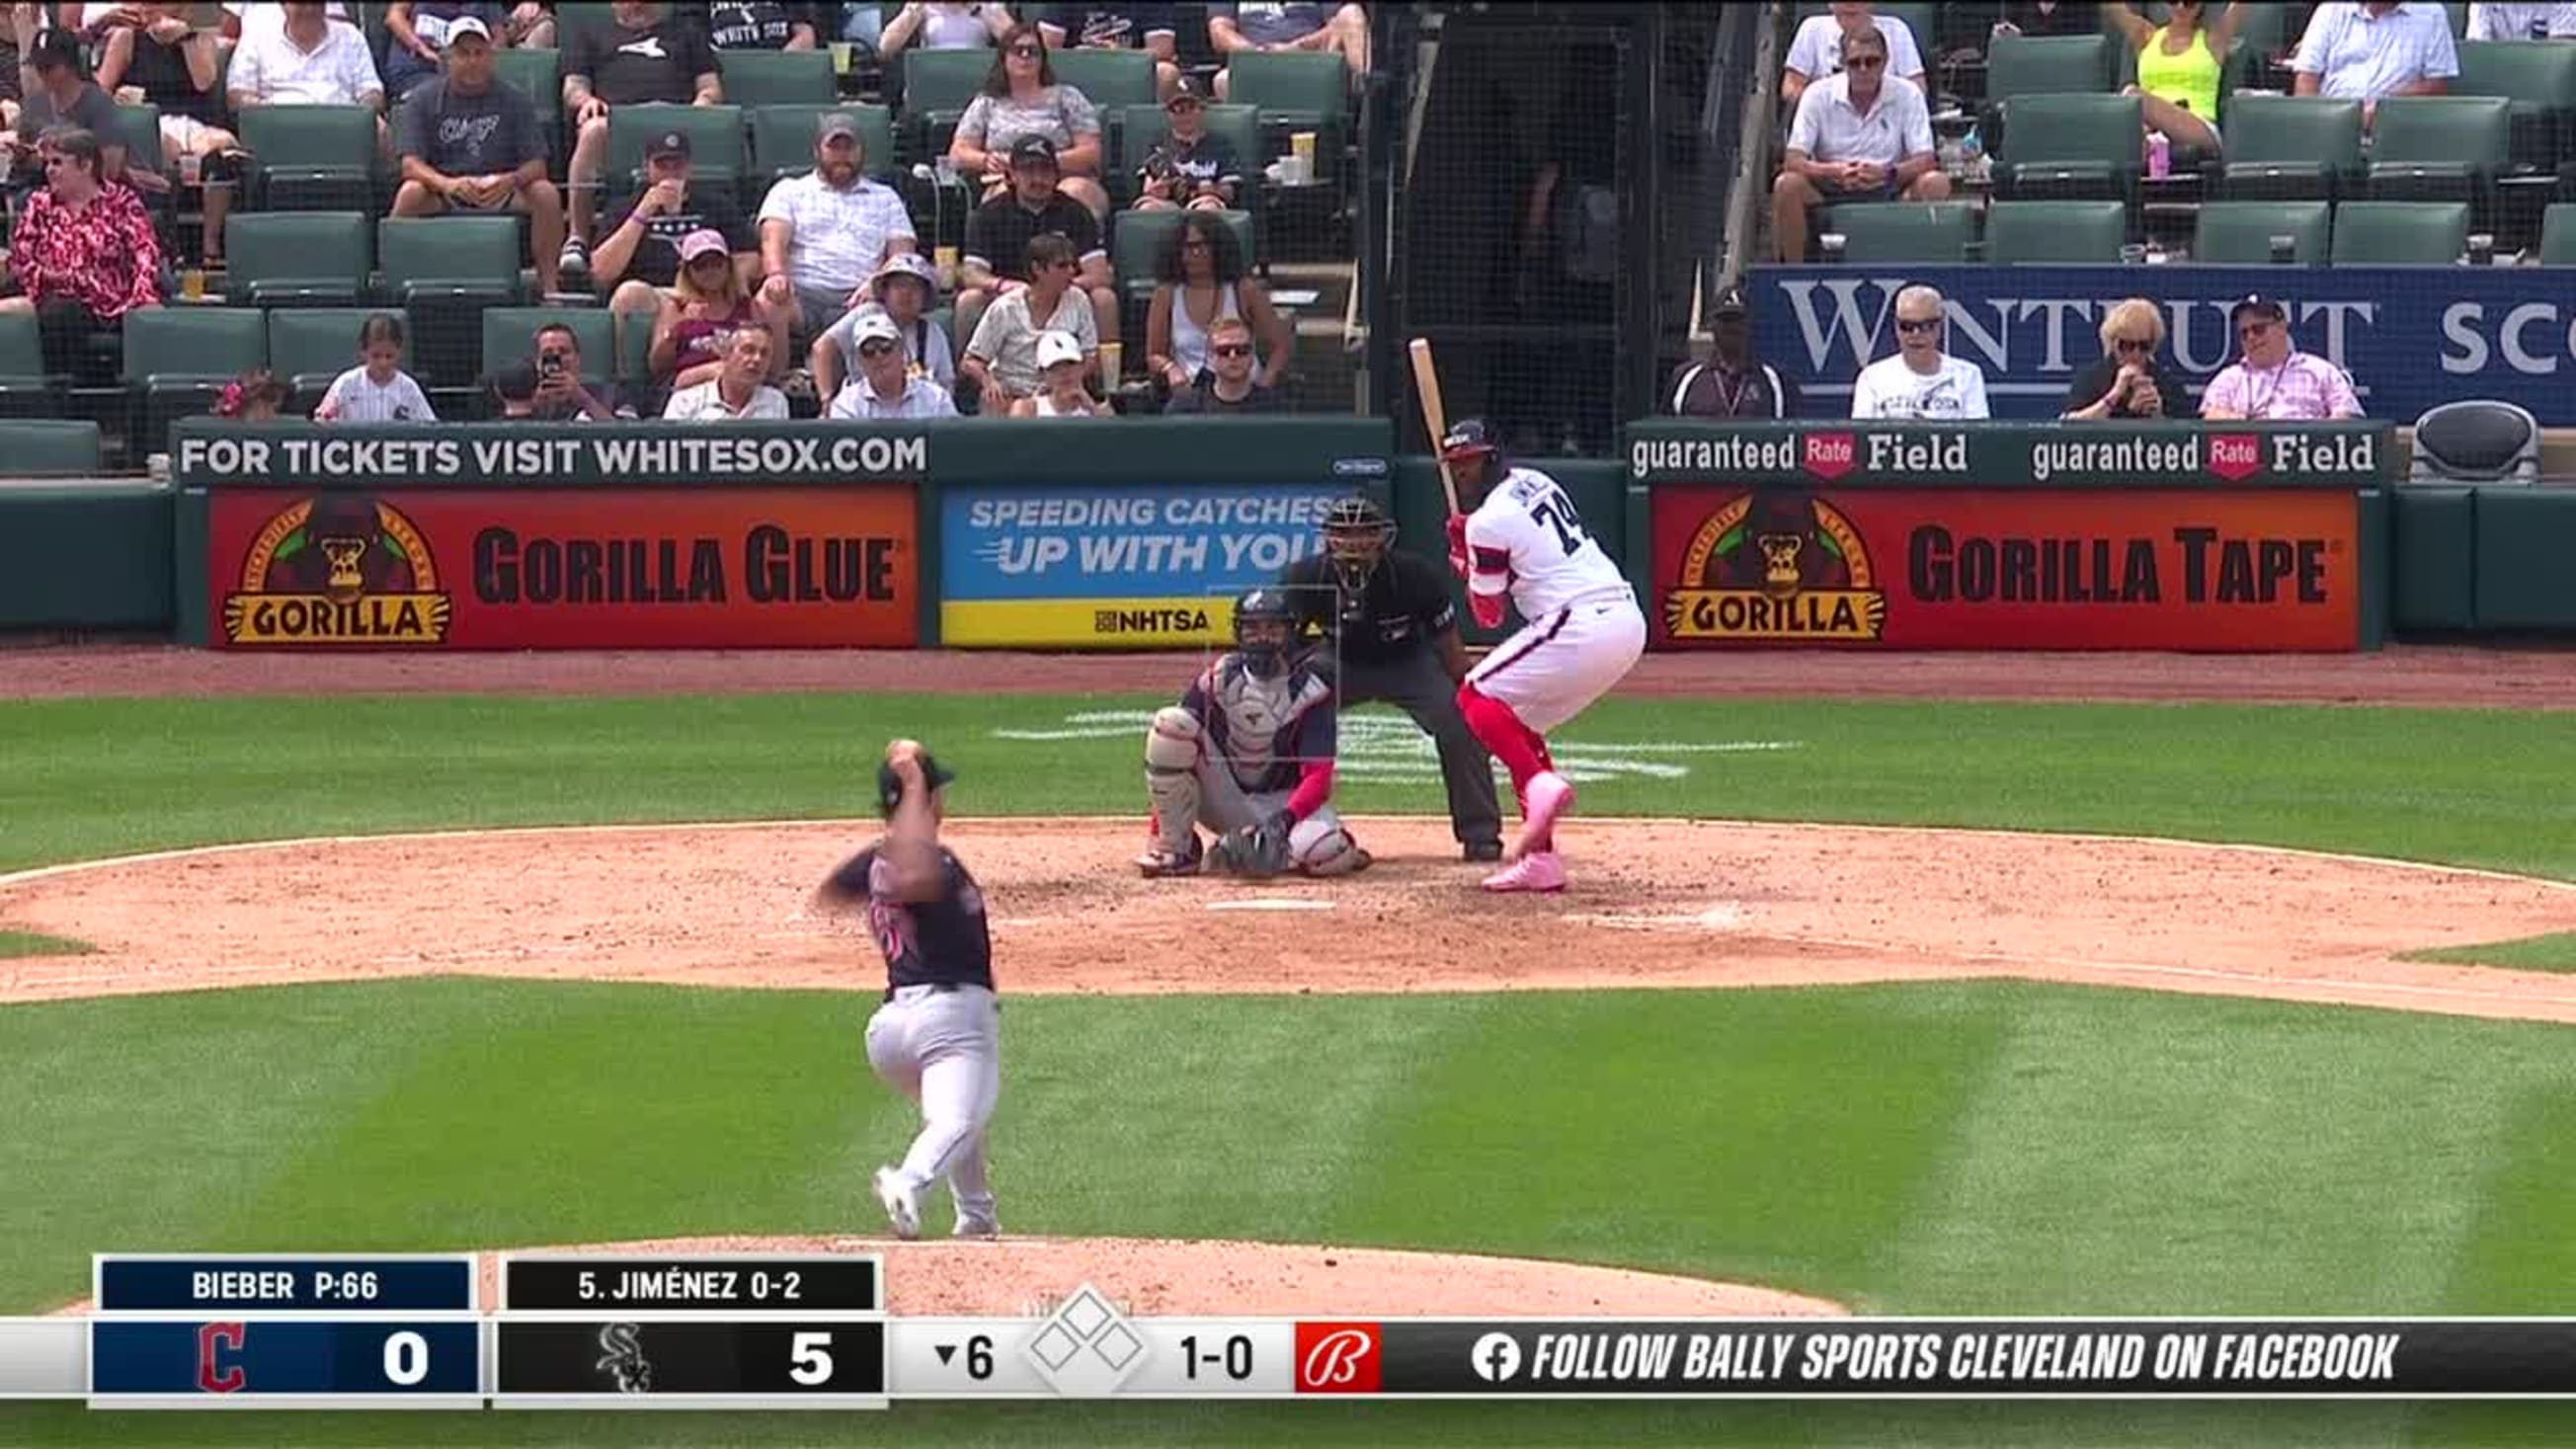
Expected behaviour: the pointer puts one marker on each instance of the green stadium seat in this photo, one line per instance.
(138, 130)
(2239, 233)
(1297, 90)
(1920, 18)
(539, 72)
(777, 77)
(2290, 148)
(178, 358)
(312, 158)
(1112, 80)
(312, 345)
(2070, 148)
(1136, 250)
(2055, 231)
(25, 389)
(938, 85)
(1914, 233)
(298, 258)
(782, 141)
(2400, 233)
(1142, 128)
(443, 271)
(715, 138)
(510, 333)
(2539, 78)
(51, 447)
(2048, 65)
(2558, 235)
(2439, 148)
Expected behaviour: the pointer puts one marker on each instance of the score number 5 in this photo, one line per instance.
(809, 1359)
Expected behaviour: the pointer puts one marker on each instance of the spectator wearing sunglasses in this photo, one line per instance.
(1857, 137)
(1228, 385)
(885, 386)
(1921, 382)
(2274, 381)
(1816, 51)
(2127, 381)
(1021, 97)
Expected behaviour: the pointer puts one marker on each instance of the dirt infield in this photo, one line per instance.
(2401, 675)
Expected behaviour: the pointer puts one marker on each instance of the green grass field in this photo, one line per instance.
(1949, 1148)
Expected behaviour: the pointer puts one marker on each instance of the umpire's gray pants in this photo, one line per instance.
(1415, 683)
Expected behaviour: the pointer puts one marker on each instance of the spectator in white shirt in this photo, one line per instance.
(309, 61)
(1817, 50)
(885, 385)
(2522, 22)
(823, 234)
(2370, 51)
(377, 390)
(906, 292)
(737, 392)
(1920, 381)
(1001, 360)
(1859, 136)
(1061, 395)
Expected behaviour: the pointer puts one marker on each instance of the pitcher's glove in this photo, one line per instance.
(1256, 851)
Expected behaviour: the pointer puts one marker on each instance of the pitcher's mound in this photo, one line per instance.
(1018, 1275)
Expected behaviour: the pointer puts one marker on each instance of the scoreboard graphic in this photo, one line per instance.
(597, 1331)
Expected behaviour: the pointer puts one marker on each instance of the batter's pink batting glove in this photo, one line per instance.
(1458, 544)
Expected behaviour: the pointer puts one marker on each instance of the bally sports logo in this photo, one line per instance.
(1339, 1358)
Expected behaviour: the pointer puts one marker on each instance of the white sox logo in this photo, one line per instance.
(1337, 1358)
(623, 1358)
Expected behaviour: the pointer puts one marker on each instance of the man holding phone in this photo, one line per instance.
(561, 394)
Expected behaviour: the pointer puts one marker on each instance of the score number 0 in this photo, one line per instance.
(406, 1358)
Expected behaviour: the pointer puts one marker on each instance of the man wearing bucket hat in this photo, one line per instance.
(905, 290)
(937, 1039)
(884, 386)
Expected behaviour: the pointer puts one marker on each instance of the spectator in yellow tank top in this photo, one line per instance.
(2179, 65)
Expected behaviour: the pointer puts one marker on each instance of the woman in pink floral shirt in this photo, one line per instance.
(84, 253)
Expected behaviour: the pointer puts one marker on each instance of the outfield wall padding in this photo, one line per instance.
(2433, 570)
(2526, 556)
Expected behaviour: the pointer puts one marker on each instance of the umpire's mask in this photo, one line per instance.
(1357, 534)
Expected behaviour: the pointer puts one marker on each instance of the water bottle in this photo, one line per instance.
(2159, 155)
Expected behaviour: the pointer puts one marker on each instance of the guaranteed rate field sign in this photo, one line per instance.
(1114, 568)
(574, 568)
(2005, 569)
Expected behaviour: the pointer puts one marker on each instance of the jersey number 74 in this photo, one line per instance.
(1556, 510)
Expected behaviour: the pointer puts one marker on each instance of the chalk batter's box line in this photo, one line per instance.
(98, 1262)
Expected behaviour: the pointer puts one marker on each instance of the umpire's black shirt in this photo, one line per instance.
(1405, 606)
(944, 941)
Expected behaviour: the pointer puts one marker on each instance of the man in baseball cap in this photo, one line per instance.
(999, 232)
(1192, 166)
(467, 141)
(906, 290)
(638, 257)
(1733, 383)
(884, 385)
(823, 234)
(2274, 380)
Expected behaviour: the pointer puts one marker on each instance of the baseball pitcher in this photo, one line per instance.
(1581, 632)
(1393, 635)
(1248, 752)
(937, 1039)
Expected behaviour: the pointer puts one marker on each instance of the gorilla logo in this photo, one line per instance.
(1775, 564)
(1780, 563)
(337, 568)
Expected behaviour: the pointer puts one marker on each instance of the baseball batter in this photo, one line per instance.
(1248, 752)
(1581, 632)
(937, 1039)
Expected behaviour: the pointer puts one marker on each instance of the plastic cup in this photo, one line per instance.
(945, 260)
(841, 57)
(1112, 357)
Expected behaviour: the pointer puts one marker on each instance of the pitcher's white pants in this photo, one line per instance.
(943, 1049)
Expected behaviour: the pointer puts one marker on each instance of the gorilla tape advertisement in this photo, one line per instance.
(578, 568)
(2006, 569)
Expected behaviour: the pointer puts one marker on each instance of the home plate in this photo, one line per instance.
(1271, 903)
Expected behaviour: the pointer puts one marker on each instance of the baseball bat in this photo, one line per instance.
(1435, 415)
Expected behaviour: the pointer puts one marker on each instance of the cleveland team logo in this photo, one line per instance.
(337, 569)
(1776, 565)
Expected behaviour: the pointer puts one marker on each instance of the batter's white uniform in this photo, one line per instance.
(1582, 630)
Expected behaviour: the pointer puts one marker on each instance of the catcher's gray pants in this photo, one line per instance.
(943, 1049)
(1416, 684)
(1224, 806)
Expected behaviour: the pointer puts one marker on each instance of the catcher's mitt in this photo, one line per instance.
(1258, 851)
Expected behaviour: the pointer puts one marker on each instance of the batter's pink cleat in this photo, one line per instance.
(1548, 796)
(1540, 871)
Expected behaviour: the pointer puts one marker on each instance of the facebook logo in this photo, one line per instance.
(1496, 1357)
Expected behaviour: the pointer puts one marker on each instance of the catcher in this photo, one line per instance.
(1248, 752)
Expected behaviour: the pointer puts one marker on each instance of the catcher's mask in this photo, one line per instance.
(1357, 534)
(1264, 627)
